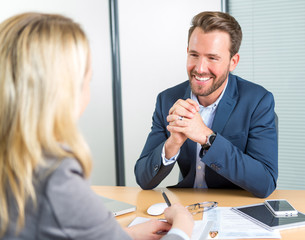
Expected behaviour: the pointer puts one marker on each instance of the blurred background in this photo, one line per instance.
(153, 43)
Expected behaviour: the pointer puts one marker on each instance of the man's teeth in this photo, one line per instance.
(202, 78)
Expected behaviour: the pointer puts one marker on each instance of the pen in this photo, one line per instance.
(204, 235)
(166, 199)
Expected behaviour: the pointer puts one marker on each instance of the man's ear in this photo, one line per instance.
(234, 61)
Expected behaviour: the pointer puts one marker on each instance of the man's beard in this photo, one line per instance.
(198, 90)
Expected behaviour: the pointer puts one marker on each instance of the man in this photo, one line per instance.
(218, 127)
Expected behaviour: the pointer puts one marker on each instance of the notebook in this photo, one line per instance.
(260, 214)
(117, 207)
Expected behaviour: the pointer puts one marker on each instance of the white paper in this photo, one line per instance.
(198, 226)
(230, 225)
(227, 223)
(138, 220)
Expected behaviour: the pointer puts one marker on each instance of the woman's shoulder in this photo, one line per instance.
(55, 171)
(69, 208)
(60, 175)
(67, 167)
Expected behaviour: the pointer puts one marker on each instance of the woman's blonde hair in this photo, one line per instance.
(43, 61)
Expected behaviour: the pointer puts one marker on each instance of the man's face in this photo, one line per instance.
(209, 62)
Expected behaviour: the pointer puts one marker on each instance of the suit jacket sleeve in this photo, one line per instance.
(149, 170)
(245, 150)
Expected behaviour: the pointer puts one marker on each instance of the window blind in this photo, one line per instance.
(273, 55)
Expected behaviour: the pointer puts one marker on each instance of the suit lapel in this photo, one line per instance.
(187, 93)
(226, 105)
(223, 112)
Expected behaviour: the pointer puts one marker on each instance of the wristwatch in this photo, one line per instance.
(210, 140)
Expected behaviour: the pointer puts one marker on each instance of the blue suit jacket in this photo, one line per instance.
(244, 153)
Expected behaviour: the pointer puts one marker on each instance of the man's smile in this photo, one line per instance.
(203, 79)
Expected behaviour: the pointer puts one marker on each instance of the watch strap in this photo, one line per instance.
(207, 145)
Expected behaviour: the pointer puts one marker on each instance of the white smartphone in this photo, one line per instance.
(281, 207)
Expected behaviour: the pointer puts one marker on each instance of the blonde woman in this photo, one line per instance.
(45, 72)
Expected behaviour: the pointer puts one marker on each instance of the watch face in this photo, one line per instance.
(212, 138)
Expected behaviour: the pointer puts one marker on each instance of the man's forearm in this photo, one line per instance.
(171, 148)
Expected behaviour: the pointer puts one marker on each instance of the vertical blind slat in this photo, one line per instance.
(273, 55)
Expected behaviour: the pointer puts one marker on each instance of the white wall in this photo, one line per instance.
(153, 40)
(97, 121)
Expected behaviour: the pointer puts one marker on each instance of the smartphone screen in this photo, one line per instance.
(281, 207)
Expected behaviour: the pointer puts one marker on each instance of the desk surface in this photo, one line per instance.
(225, 198)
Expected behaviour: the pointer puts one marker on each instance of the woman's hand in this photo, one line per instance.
(180, 217)
(150, 230)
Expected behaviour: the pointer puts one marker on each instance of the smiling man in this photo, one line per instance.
(219, 128)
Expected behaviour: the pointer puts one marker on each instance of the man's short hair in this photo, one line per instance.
(218, 21)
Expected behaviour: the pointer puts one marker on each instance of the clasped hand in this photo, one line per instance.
(190, 126)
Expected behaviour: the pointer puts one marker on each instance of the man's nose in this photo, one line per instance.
(201, 66)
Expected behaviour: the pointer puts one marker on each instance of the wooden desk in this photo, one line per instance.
(225, 198)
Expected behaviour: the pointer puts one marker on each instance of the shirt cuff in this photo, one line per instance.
(179, 232)
(166, 161)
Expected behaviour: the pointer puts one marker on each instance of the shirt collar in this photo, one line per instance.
(213, 105)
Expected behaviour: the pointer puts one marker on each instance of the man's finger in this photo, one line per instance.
(189, 105)
(194, 104)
